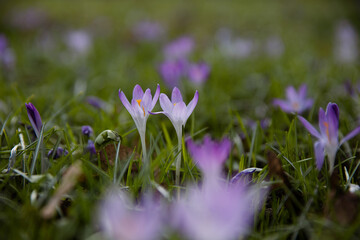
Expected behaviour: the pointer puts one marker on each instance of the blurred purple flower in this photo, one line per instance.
(87, 130)
(28, 19)
(91, 147)
(210, 155)
(171, 71)
(3, 44)
(236, 48)
(346, 43)
(328, 136)
(296, 102)
(148, 31)
(96, 102)
(7, 57)
(220, 211)
(58, 153)
(119, 219)
(198, 73)
(34, 118)
(79, 41)
(179, 48)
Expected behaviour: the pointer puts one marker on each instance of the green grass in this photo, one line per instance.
(237, 90)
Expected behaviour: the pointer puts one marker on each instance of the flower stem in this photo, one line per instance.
(178, 160)
(145, 160)
(116, 161)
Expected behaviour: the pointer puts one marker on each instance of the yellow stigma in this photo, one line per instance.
(326, 124)
(139, 101)
(174, 104)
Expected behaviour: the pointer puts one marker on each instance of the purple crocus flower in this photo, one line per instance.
(178, 113)
(148, 31)
(87, 130)
(58, 153)
(171, 71)
(179, 48)
(220, 211)
(176, 110)
(198, 73)
(120, 219)
(296, 102)
(210, 155)
(141, 104)
(328, 136)
(34, 118)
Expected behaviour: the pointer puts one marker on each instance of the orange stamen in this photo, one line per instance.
(326, 124)
(139, 101)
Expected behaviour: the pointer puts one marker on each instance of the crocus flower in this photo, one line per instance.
(210, 155)
(87, 130)
(141, 104)
(59, 152)
(171, 71)
(178, 113)
(79, 41)
(218, 212)
(245, 175)
(148, 31)
(327, 143)
(296, 102)
(198, 73)
(34, 118)
(176, 110)
(179, 48)
(119, 219)
(346, 43)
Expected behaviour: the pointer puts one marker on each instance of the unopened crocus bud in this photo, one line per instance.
(34, 118)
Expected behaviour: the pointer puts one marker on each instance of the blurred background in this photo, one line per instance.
(238, 54)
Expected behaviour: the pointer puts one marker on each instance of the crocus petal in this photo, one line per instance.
(332, 114)
(308, 104)
(291, 94)
(34, 118)
(352, 134)
(302, 91)
(284, 105)
(165, 103)
(309, 127)
(179, 111)
(323, 122)
(125, 102)
(176, 96)
(191, 106)
(147, 100)
(138, 93)
(319, 154)
(156, 97)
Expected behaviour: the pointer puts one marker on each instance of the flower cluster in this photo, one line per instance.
(176, 65)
